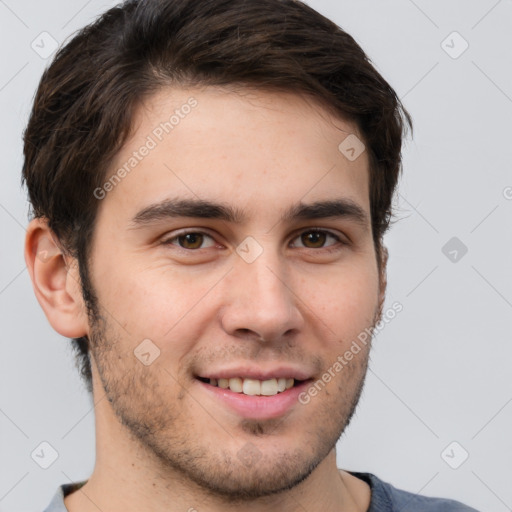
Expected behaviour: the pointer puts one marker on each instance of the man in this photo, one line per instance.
(211, 182)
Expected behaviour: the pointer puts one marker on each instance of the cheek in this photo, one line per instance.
(157, 302)
(346, 301)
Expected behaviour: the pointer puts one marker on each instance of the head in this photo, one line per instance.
(242, 108)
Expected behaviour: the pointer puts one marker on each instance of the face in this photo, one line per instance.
(233, 264)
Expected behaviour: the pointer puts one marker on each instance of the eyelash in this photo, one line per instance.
(329, 248)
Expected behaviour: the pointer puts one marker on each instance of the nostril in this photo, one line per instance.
(248, 333)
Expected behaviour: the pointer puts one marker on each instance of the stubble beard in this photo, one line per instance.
(165, 436)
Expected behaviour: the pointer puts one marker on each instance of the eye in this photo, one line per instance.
(310, 239)
(317, 239)
(192, 240)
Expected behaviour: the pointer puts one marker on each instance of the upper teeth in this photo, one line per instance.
(253, 386)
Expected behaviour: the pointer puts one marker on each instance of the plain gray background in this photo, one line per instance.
(439, 386)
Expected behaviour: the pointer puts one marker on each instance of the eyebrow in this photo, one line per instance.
(198, 208)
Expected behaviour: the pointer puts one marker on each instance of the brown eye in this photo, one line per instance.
(314, 239)
(317, 239)
(192, 241)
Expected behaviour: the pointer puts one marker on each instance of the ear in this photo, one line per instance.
(383, 280)
(56, 281)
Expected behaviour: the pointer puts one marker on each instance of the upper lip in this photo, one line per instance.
(251, 372)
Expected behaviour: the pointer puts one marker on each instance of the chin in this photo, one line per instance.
(255, 478)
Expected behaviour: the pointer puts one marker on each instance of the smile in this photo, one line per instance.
(253, 387)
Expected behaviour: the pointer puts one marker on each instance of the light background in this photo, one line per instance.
(439, 372)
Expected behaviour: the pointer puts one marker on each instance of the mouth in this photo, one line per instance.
(256, 399)
(253, 387)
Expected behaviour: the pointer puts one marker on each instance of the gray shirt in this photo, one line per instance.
(384, 498)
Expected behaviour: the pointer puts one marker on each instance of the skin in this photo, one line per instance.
(162, 441)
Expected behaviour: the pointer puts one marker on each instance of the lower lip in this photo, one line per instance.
(258, 407)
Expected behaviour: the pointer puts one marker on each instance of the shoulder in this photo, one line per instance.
(57, 503)
(387, 498)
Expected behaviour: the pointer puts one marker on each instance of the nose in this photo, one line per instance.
(261, 303)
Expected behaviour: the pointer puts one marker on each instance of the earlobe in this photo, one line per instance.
(55, 280)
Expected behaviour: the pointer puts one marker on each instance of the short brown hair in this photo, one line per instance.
(85, 102)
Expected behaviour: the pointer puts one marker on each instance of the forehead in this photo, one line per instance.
(258, 150)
